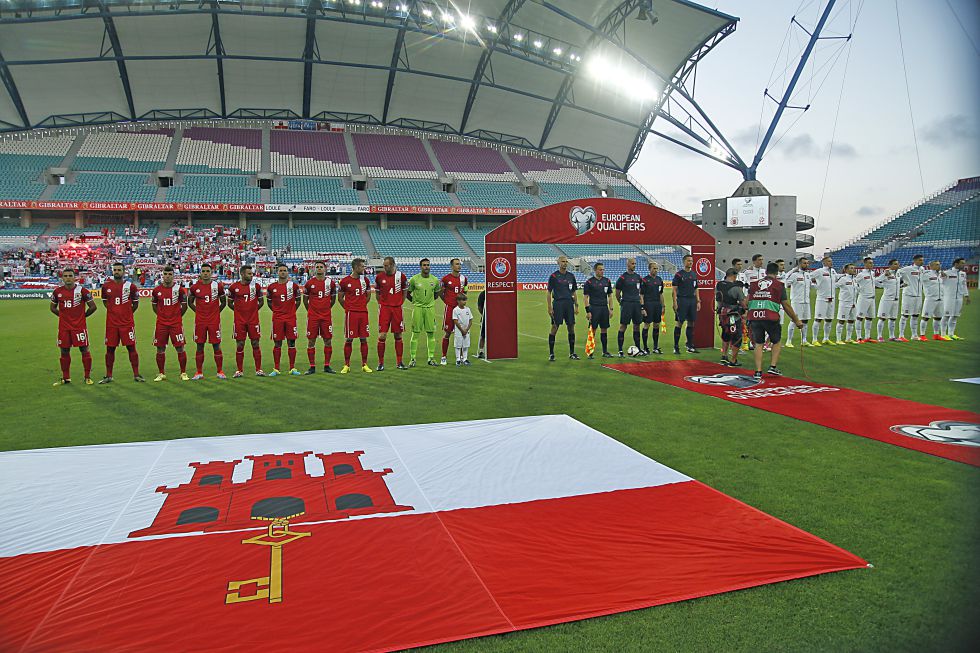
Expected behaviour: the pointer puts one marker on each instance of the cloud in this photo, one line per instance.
(869, 210)
(845, 150)
(949, 130)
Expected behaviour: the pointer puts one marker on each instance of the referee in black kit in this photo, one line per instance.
(630, 309)
(686, 304)
(562, 306)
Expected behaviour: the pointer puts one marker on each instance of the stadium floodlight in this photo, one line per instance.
(518, 37)
(538, 44)
(492, 28)
(403, 8)
(427, 13)
(448, 18)
(557, 52)
(376, 4)
(467, 22)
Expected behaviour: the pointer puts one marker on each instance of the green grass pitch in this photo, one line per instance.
(914, 516)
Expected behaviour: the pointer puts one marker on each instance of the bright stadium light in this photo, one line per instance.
(403, 8)
(427, 13)
(538, 44)
(448, 18)
(557, 52)
(621, 80)
(492, 28)
(518, 37)
(467, 22)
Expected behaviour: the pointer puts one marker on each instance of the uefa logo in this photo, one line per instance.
(500, 267)
(582, 219)
(703, 267)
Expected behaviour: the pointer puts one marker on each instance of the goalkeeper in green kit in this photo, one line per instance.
(423, 289)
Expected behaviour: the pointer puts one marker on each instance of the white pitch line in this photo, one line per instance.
(528, 335)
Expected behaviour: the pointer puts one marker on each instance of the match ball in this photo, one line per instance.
(633, 351)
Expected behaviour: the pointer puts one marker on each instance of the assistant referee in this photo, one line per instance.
(686, 304)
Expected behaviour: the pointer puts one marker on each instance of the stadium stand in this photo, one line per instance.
(22, 163)
(124, 151)
(548, 252)
(321, 154)
(415, 242)
(598, 251)
(309, 239)
(941, 227)
(532, 164)
(407, 192)
(552, 193)
(107, 187)
(391, 155)
(215, 149)
(475, 238)
(17, 236)
(314, 190)
(214, 188)
(464, 161)
(494, 194)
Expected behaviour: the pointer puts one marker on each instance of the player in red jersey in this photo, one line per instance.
(391, 287)
(355, 293)
(285, 296)
(453, 284)
(245, 300)
(318, 297)
(169, 301)
(207, 299)
(121, 299)
(72, 303)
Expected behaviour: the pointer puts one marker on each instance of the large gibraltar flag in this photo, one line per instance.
(365, 539)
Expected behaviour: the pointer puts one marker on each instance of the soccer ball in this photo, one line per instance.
(633, 351)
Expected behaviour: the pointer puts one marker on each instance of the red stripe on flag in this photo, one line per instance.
(395, 582)
(859, 413)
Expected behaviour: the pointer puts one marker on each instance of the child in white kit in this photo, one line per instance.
(463, 319)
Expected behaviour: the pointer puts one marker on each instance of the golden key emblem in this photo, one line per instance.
(267, 587)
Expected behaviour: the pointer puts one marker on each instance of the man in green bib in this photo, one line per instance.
(423, 288)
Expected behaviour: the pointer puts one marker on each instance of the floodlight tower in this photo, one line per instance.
(752, 220)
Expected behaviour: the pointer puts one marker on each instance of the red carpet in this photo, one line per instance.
(943, 432)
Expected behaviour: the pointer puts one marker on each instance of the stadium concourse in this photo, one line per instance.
(279, 212)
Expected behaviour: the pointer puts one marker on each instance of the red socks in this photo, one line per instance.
(87, 363)
(311, 354)
(219, 359)
(327, 354)
(199, 359)
(161, 361)
(348, 348)
(134, 361)
(182, 359)
(110, 359)
(65, 360)
(292, 357)
(257, 357)
(445, 346)
(399, 347)
(381, 352)
(240, 359)
(277, 355)
(364, 352)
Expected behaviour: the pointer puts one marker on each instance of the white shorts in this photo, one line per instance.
(866, 308)
(888, 309)
(911, 305)
(932, 307)
(952, 306)
(461, 342)
(823, 309)
(802, 311)
(846, 313)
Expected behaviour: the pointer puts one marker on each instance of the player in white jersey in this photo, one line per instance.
(954, 294)
(911, 276)
(866, 300)
(932, 303)
(889, 283)
(798, 283)
(823, 309)
(755, 273)
(847, 295)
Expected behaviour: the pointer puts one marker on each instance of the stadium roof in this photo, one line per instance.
(579, 78)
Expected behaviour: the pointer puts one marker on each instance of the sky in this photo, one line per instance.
(873, 170)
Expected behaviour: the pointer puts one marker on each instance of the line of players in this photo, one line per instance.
(207, 298)
(912, 296)
(641, 304)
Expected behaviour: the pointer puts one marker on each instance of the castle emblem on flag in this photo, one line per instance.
(280, 487)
